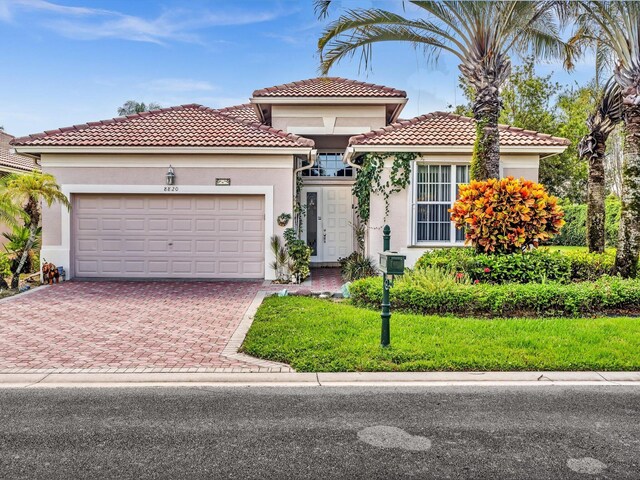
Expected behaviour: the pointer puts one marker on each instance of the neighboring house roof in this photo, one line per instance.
(246, 112)
(183, 126)
(329, 87)
(11, 161)
(442, 128)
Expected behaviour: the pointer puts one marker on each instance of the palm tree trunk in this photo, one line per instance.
(15, 279)
(629, 234)
(485, 163)
(596, 198)
(32, 209)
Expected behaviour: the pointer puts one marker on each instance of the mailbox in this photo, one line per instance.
(392, 263)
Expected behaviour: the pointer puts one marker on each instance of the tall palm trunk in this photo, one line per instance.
(596, 193)
(485, 163)
(592, 147)
(629, 235)
(486, 73)
(33, 211)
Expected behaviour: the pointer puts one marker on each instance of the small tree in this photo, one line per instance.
(131, 106)
(30, 190)
(506, 215)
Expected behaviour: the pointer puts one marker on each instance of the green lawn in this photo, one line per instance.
(319, 335)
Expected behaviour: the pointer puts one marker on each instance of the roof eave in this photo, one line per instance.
(40, 149)
(10, 169)
(537, 149)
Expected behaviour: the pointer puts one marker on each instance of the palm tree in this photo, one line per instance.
(614, 28)
(592, 147)
(9, 212)
(30, 190)
(481, 34)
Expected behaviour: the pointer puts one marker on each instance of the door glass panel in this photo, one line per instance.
(312, 222)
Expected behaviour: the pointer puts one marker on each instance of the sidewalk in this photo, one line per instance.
(375, 379)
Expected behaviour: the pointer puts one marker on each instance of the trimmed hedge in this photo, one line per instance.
(604, 296)
(574, 232)
(535, 266)
(539, 265)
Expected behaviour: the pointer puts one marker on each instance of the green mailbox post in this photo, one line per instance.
(391, 264)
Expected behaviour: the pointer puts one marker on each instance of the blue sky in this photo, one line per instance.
(71, 61)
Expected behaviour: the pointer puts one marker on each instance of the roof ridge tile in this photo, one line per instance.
(323, 81)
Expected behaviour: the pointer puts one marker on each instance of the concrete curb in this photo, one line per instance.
(375, 379)
(39, 288)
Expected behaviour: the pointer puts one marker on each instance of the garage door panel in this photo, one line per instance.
(158, 225)
(182, 246)
(87, 224)
(133, 267)
(249, 246)
(181, 225)
(190, 236)
(206, 246)
(111, 266)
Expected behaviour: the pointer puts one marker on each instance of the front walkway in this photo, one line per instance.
(136, 326)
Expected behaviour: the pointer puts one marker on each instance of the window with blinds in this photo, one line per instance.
(436, 188)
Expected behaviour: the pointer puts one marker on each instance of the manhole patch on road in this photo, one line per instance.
(586, 465)
(382, 436)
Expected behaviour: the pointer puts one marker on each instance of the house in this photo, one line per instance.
(10, 162)
(196, 192)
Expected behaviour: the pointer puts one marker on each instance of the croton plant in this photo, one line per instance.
(506, 215)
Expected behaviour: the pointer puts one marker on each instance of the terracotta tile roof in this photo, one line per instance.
(183, 126)
(442, 128)
(246, 112)
(329, 87)
(12, 160)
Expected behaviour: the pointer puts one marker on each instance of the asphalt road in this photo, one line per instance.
(310, 432)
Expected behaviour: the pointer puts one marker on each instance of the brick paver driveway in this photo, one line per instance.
(127, 325)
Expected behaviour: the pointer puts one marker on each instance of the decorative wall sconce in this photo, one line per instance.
(170, 176)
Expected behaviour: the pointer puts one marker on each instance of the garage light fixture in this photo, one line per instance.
(171, 176)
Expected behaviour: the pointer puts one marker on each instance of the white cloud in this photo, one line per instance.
(85, 23)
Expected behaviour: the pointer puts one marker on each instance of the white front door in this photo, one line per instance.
(328, 228)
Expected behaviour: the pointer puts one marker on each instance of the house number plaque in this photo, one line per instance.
(223, 182)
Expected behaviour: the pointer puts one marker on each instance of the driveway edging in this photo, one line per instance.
(231, 349)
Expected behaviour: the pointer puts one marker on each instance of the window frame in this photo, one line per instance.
(336, 152)
(413, 204)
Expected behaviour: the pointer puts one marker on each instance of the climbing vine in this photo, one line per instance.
(478, 169)
(369, 180)
(299, 209)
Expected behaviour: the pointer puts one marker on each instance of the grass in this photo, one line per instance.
(314, 335)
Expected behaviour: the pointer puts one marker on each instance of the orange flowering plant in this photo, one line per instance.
(506, 215)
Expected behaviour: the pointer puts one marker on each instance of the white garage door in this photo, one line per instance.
(177, 236)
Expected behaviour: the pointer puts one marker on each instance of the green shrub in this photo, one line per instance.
(357, 266)
(574, 232)
(5, 265)
(604, 296)
(299, 255)
(539, 265)
(587, 266)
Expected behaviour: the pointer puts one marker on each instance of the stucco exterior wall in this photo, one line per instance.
(194, 173)
(328, 119)
(401, 204)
